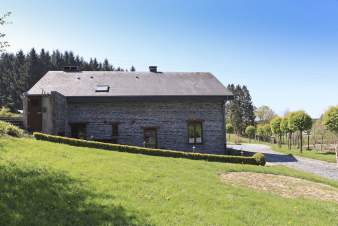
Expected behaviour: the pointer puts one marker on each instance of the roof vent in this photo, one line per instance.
(153, 69)
(71, 68)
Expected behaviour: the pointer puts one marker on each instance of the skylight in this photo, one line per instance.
(102, 88)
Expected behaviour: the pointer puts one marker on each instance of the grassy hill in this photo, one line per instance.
(44, 183)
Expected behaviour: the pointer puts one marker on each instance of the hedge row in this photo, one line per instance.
(254, 160)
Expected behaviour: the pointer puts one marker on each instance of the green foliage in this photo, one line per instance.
(260, 130)
(300, 121)
(267, 130)
(229, 128)
(6, 112)
(330, 119)
(240, 110)
(284, 125)
(260, 158)
(9, 129)
(14, 131)
(275, 125)
(250, 131)
(146, 151)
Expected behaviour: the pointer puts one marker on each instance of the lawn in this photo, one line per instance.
(45, 183)
(313, 154)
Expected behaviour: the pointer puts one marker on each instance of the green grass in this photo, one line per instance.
(313, 154)
(44, 183)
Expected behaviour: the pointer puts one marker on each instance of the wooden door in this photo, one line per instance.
(150, 137)
(34, 117)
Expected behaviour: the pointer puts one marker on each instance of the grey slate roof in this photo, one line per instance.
(83, 83)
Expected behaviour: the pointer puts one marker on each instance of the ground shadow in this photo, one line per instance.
(40, 197)
(268, 156)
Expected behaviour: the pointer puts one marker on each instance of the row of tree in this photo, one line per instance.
(291, 128)
(20, 71)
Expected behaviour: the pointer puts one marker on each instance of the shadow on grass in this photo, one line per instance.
(268, 156)
(39, 197)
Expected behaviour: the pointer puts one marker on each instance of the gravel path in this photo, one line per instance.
(321, 168)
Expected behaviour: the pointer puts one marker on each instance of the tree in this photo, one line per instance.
(3, 21)
(247, 108)
(132, 68)
(300, 121)
(284, 127)
(240, 110)
(275, 125)
(229, 129)
(264, 114)
(267, 131)
(330, 121)
(250, 131)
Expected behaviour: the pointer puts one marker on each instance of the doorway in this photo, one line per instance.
(150, 137)
(34, 114)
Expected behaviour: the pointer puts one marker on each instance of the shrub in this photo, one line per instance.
(147, 151)
(260, 158)
(9, 129)
(14, 131)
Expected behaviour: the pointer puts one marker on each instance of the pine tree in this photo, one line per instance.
(247, 108)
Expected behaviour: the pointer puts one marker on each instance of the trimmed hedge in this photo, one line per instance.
(149, 151)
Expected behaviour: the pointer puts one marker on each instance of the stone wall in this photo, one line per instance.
(169, 117)
(59, 112)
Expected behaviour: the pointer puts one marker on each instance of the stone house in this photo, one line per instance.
(168, 110)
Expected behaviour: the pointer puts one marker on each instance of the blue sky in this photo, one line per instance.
(285, 51)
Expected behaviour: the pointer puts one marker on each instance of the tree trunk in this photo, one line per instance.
(321, 144)
(280, 140)
(289, 141)
(301, 141)
(308, 142)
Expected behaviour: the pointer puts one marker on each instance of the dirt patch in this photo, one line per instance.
(285, 186)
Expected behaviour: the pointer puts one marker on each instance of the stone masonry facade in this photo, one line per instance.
(169, 117)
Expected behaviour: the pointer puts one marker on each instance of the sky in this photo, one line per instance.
(284, 51)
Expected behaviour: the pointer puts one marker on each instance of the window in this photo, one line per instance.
(102, 88)
(195, 132)
(115, 133)
(78, 130)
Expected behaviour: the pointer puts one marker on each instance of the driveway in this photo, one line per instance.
(320, 168)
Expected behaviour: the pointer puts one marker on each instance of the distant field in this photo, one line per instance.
(45, 183)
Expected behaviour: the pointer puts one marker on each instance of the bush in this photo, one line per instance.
(14, 131)
(260, 158)
(9, 129)
(147, 151)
